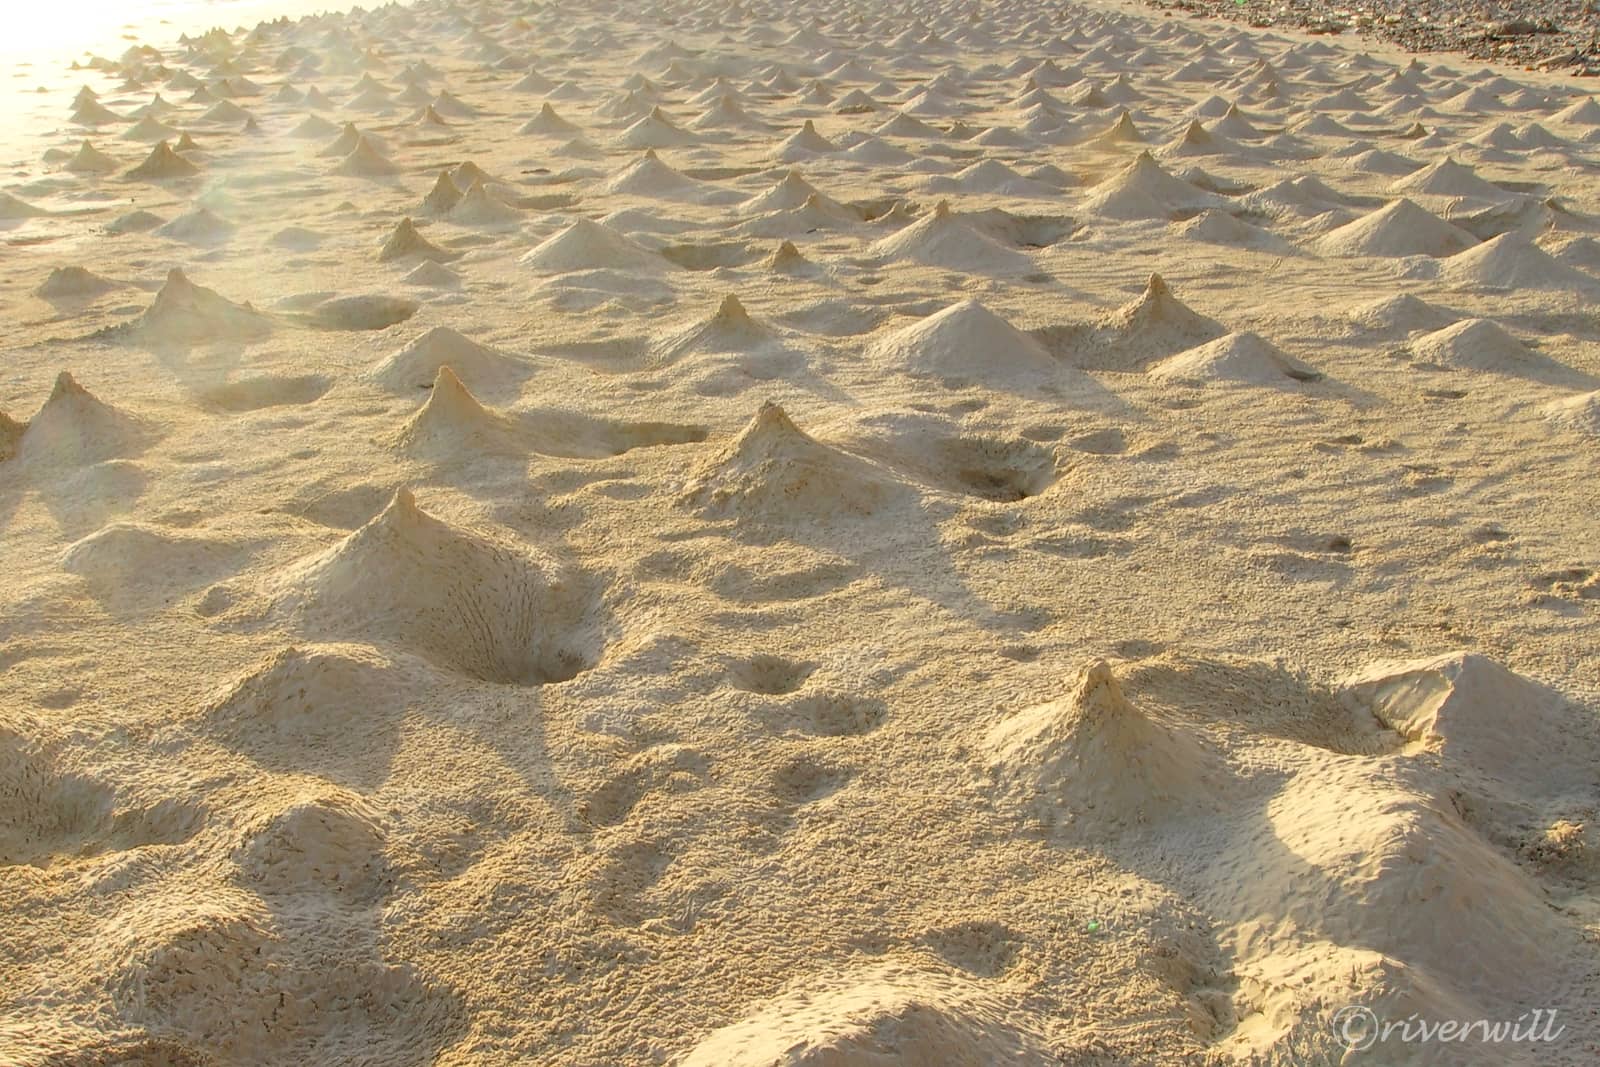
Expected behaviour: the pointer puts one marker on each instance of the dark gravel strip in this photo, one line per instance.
(1561, 36)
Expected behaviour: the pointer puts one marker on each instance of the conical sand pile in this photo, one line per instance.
(1473, 344)
(730, 329)
(1243, 358)
(1512, 261)
(184, 312)
(1399, 229)
(1580, 413)
(1152, 325)
(1144, 190)
(1447, 178)
(163, 164)
(941, 239)
(452, 424)
(487, 609)
(407, 243)
(74, 283)
(1092, 757)
(775, 472)
(1475, 712)
(365, 161)
(967, 340)
(417, 364)
(75, 428)
(90, 160)
(1016, 669)
(587, 245)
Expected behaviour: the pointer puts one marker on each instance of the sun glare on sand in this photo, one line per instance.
(43, 29)
(65, 28)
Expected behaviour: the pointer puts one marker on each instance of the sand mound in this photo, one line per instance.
(186, 313)
(220, 971)
(433, 276)
(1292, 198)
(966, 340)
(1122, 131)
(134, 222)
(1448, 178)
(1477, 714)
(1582, 112)
(49, 808)
(774, 471)
(365, 161)
(325, 709)
(444, 195)
(198, 226)
(417, 364)
(1402, 314)
(484, 608)
(589, 245)
(1582, 252)
(787, 259)
(790, 191)
(90, 160)
(1473, 344)
(314, 127)
(883, 1018)
(94, 113)
(131, 558)
(1196, 140)
(330, 842)
(1513, 261)
(1216, 227)
(1342, 857)
(75, 283)
(1400, 228)
(428, 120)
(1143, 190)
(350, 135)
(547, 123)
(361, 311)
(804, 143)
(655, 130)
(941, 239)
(726, 113)
(1092, 755)
(407, 243)
(991, 176)
(649, 176)
(149, 130)
(453, 424)
(1243, 358)
(76, 428)
(1580, 413)
(1153, 324)
(162, 164)
(1376, 161)
(729, 329)
(817, 213)
(480, 208)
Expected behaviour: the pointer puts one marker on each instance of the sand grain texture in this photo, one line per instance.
(575, 534)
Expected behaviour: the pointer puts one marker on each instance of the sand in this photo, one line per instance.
(848, 537)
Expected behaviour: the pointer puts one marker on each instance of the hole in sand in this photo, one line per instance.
(771, 675)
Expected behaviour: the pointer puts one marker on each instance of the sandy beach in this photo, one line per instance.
(731, 535)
